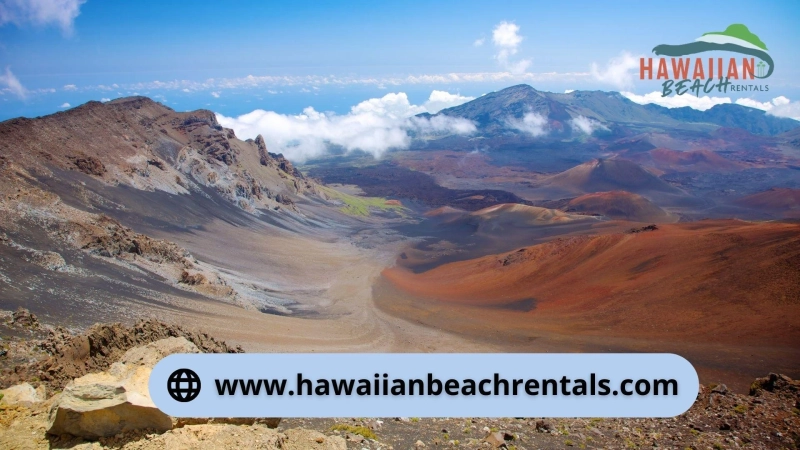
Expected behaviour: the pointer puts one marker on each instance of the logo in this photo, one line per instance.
(183, 385)
(705, 75)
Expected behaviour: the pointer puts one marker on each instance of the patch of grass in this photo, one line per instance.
(694, 432)
(741, 409)
(415, 419)
(355, 429)
(355, 205)
(1, 397)
(569, 443)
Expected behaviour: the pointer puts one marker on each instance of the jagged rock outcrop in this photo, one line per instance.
(263, 154)
(72, 356)
(210, 137)
(89, 165)
(285, 165)
(107, 237)
(25, 319)
(275, 159)
(118, 400)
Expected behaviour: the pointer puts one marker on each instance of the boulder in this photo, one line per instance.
(22, 394)
(497, 439)
(118, 400)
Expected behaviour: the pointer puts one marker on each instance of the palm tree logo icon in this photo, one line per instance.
(761, 68)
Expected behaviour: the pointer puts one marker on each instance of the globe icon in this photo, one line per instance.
(183, 385)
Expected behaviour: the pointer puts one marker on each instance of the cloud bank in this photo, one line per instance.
(61, 13)
(778, 106)
(374, 126)
(676, 101)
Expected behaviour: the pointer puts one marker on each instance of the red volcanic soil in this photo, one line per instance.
(783, 202)
(723, 282)
(619, 205)
(609, 175)
(684, 161)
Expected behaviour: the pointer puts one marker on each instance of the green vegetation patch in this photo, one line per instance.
(355, 205)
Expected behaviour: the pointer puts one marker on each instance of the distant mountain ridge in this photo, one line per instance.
(492, 112)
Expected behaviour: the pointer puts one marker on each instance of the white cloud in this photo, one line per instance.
(506, 39)
(676, 101)
(439, 100)
(586, 125)
(70, 87)
(617, 71)
(569, 91)
(531, 123)
(479, 42)
(12, 84)
(374, 126)
(506, 35)
(65, 105)
(790, 110)
(215, 94)
(105, 99)
(779, 106)
(780, 101)
(61, 13)
(749, 102)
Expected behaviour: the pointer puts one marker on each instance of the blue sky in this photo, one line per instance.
(235, 57)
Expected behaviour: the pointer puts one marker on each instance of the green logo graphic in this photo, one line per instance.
(736, 38)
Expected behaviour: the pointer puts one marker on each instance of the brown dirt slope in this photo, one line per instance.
(143, 144)
(723, 281)
(782, 202)
(609, 175)
(669, 160)
(619, 205)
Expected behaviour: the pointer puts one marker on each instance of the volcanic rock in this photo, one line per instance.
(22, 394)
(24, 318)
(116, 401)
